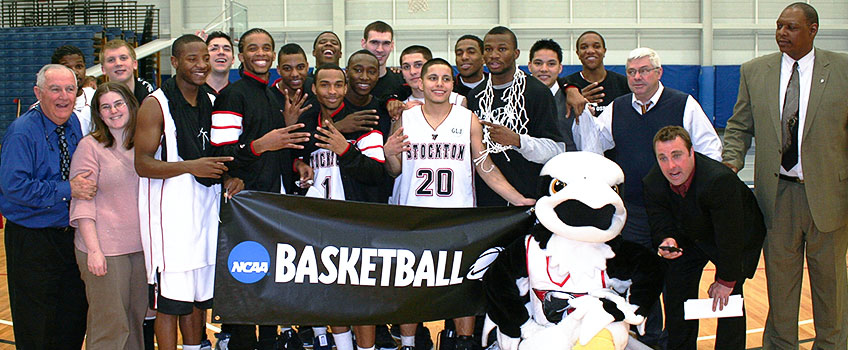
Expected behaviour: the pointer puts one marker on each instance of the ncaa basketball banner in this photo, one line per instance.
(287, 259)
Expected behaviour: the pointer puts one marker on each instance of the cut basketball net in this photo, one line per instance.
(512, 115)
(418, 5)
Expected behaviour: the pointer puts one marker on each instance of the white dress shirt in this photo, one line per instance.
(805, 76)
(595, 134)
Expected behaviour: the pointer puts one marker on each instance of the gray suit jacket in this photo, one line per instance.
(824, 149)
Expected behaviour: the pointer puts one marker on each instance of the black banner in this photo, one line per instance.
(287, 259)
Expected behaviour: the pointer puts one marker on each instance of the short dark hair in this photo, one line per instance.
(433, 62)
(254, 31)
(809, 11)
(362, 52)
(546, 44)
(291, 49)
(65, 50)
(329, 66)
(670, 133)
(471, 37)
(423, 50)
(603, 42)
(379, 27)
(101, 132)
(218, 34)
(315, 43)
(504, 30)
(181, 42)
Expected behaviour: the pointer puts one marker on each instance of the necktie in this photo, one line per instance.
(64, 156)
(789, 121)
(646, 106)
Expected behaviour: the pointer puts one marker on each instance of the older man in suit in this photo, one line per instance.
(794, 104)
(700, 211)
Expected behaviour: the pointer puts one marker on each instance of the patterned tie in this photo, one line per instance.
(65, 157)
(789, 122)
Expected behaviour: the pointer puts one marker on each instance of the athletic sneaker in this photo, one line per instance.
(306, 336)
(205, 344)
(223, 341)
(323, 342)
(447, 339)
(288, 340)
(383, 339)
(407, 347)
(422, 338)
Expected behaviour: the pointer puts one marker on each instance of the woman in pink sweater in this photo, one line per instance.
(107, 239)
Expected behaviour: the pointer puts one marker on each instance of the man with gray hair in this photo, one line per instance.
(638, 116)
(45, 289)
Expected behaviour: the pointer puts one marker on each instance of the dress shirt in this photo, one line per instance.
(595, 134)
(805, 76)
(32, 192)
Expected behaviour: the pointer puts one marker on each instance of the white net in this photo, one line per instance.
(418, 5)
(512, 115)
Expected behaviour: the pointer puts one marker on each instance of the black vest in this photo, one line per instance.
(634, 135)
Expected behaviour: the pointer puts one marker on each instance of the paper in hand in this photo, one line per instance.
(694, 309)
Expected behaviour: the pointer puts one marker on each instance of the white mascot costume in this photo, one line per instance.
(573, 283)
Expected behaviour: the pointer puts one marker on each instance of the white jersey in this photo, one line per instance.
(454, 99)
(438, 170)
(178, 216)
(327, 182)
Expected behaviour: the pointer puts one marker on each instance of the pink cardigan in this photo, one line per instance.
(114, 208)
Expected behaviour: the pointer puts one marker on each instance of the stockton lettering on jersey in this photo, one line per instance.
(436, 150)
(322, 159)
(358, 266)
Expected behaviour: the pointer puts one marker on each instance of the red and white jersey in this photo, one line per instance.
(438, 169)
(328, 182)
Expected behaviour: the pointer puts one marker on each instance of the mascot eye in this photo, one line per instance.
(617, 189)
(556, 186)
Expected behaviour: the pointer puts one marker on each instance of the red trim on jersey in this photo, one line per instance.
(229, 112)
(369, 133)
(332, 115)
(346, 149)
(224, 143)
(226, 127)
(603, 279)
(252, 150)
(370, 147)
(161, 226)
(149, 224)
(249, 74)
(378, 160)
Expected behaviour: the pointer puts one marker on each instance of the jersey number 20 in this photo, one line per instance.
(443, 179)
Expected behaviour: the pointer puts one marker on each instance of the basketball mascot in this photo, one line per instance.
(573, 282)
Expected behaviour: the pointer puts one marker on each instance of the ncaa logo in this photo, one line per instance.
(248, 262)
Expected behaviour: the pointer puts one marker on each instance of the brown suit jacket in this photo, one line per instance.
(824, 149)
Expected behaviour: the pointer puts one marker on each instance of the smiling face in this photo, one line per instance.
(77, 64)
(293, 69)
(545, 66)
(500, 53)
(119, 65)
(58, 95)
(591, 51)
(676, 160)
(258, 54)
(437, 83)
(794, 35)
(469, 58)
(363, 71)
(220, 55)
(327, 49)
(192, 65)
(380, 44)
(114, 110)
(329, 88)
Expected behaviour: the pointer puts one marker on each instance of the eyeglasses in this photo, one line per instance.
(119, 104)
(642, 71)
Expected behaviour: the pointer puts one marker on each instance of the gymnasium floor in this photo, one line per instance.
(756, 303)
